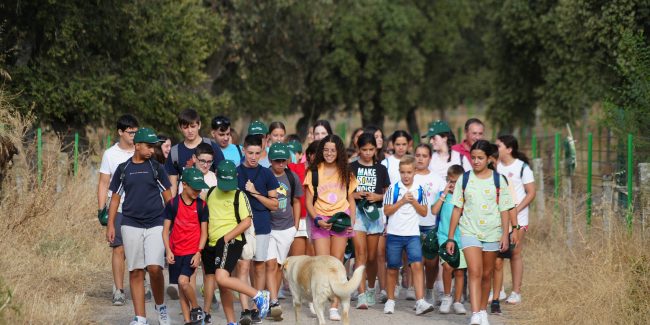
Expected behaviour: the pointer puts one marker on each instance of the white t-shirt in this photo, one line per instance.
(516, 180)
(392, 164)
(440, 165)
(432, 185)
(405, 221)
(112, 158)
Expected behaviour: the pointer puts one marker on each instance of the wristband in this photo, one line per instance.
(316, 221)
(516, 227)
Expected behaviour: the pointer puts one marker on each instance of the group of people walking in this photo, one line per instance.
(236, 212)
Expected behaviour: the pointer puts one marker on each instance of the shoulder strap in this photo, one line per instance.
(420, 194)
(292, 183)
(241, 154)
(395, 192)
(497, 183)
(237, 217)
(521, 172)
(465, 181)
(174, 156)
(199, 207)
(209, 192)
(122, 168)
(314, 183)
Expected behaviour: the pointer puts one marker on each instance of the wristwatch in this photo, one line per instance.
(516, 227)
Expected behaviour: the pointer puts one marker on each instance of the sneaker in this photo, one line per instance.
(163, 317)
(172, 292)
(312, 311)
(262, 302)
(459, 308)
(370, 297)
(410, 294)
(208, 319)
(389, 306)
(197, 317)
(334, 314)
(255, 317)
(136, 322)
(119, 298)
(476, 319)
(276, 312)
(445, 306)
(245, 317)
(428, 296)
(514, 298)
(484, 317)
(362, 302)
(422, 307)
(495, 307)
(383, 297)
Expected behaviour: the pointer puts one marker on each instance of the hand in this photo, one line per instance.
(449, 188)
(110, 233)
(514, 237)
(324, 224)
(170, 257)
(250, 187)
(408, 197)
(504, 244)
(196, 260)
(374, 197)
(451, 247)
(359, 195)
(226, 239)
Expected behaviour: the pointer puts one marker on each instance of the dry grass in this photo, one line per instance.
(602, 278)
(50, 240)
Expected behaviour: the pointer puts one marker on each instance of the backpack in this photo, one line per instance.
(173, 155)
(175, 203)
(314, 184)
(155, 165)
(396, 193)
(248, 237)
(292, 183)
(521, 172)
(497, 183)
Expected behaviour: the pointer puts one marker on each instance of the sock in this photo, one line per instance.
(141, 319)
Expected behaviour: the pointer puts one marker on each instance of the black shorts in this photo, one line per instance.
(222, 256)
(507, 254)
(182, 266)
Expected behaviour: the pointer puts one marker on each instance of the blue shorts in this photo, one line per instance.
(117, 242)
(396, 244)
(471, 241)
(182, 266)
(370, 227)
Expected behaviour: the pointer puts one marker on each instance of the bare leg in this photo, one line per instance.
(136, 283)
(486, 279)
(391, 281)
(208, 292)
(498, 278)
(446, 278)
(242, 272)
(337, 249)
(183, 285)
(360, 251)
(298, 247)
(517, 263)
(157, 283)
(227, 304)
(474, 257)
(272, 278)
(117, 263)
(431, 271)
(459, 280)
(381, 263)
(418, 279)
(372, 242)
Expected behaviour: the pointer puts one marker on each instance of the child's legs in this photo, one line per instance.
(260, 275)
(183, 296)
(381, 262)
(227, 304)
(414, 256)
(459, 281)
(395, 245)
(298, 247)
(372, 242)
(517, 263)
(154, 256)
(157, 279)
(360, 256)
(188, 289)
(337, 247)
(431, 271)
(208, 291)
(136, 283)
(322, 246)
(498, 277)
(117, 264)
(486, 279)
(272, 282)
(243, 271)
(446, 278)
(225, 281)
(474, 257)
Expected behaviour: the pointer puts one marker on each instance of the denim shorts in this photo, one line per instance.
(396, 244)
(470, 241)
(370, 227)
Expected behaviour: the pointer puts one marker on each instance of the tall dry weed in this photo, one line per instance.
(51, 242)
(602, 277)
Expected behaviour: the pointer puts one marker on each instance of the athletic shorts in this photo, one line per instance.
(117, 242)
(302, 229)
(222, 256)
(318, 233)
(279, 244)
(143, 247)
(261, 247)
(395, 245)
(182, 266)
(370, 227)
(470, 241)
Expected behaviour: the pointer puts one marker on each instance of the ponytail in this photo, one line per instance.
(511, 142)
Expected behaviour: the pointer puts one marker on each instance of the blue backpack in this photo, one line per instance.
(396, 193)
(497, 183)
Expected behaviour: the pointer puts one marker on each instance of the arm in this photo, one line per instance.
(166, 227)
(196, 259)
(353, 209)
(530, 196)
(173, 179)
(241, 227)
(270, 201)
(296, 212)
(505, 223)
(390, 209)
(421, 209)
(453, 223)
(311, 211)
(102, 190)
(112, 213)
(167, 196)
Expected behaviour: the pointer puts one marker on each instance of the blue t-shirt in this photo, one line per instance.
(264, 181)
(232, 153)
(143, 205)
(444, 220)
(185, 156)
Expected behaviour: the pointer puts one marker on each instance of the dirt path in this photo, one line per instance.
(100, 311)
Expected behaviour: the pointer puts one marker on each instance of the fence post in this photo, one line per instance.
(630, 182)
(534, 146)
(589, 173)
(39, 156)
(608, 198)
(540, 198)
(644, 190)
(76, 154)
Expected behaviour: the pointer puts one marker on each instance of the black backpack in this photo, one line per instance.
(235, 204)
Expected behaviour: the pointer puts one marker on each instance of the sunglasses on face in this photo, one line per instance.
(221, 123)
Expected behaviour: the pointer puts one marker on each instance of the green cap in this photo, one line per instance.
(194, 178)
(257, 127)
(226, 176)
(145, 135)
(437, 127)
(340, 221)
(294, 146)
(369, 209)
(454, 259)
(430, 244)
(279, 151)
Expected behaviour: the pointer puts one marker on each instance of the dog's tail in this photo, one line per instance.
(343, 289)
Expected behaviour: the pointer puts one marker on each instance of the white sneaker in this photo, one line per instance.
(484, 317)
(514, 298)
(389, 306)
(136, 322)
(410, 294)
(163, 317)
(459, 308)
(334, 314)
(423, 307)
(383, 297)
(476, 319)
(445, 306)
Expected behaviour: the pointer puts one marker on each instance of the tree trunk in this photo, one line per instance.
(309, 116)
(412, 122)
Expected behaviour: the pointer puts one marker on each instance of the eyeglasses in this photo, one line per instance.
(206, 162)
(131, 132)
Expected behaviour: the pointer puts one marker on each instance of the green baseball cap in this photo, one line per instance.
(340, 221)
(145, 135)
(257, 127)
(294, 146)
(437, 127)
(226, 176)
(194, 178)
(454, 259)
(279, 151)
(430, 244)
(369, 209)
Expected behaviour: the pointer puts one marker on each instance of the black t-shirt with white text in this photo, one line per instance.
(371, 178)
